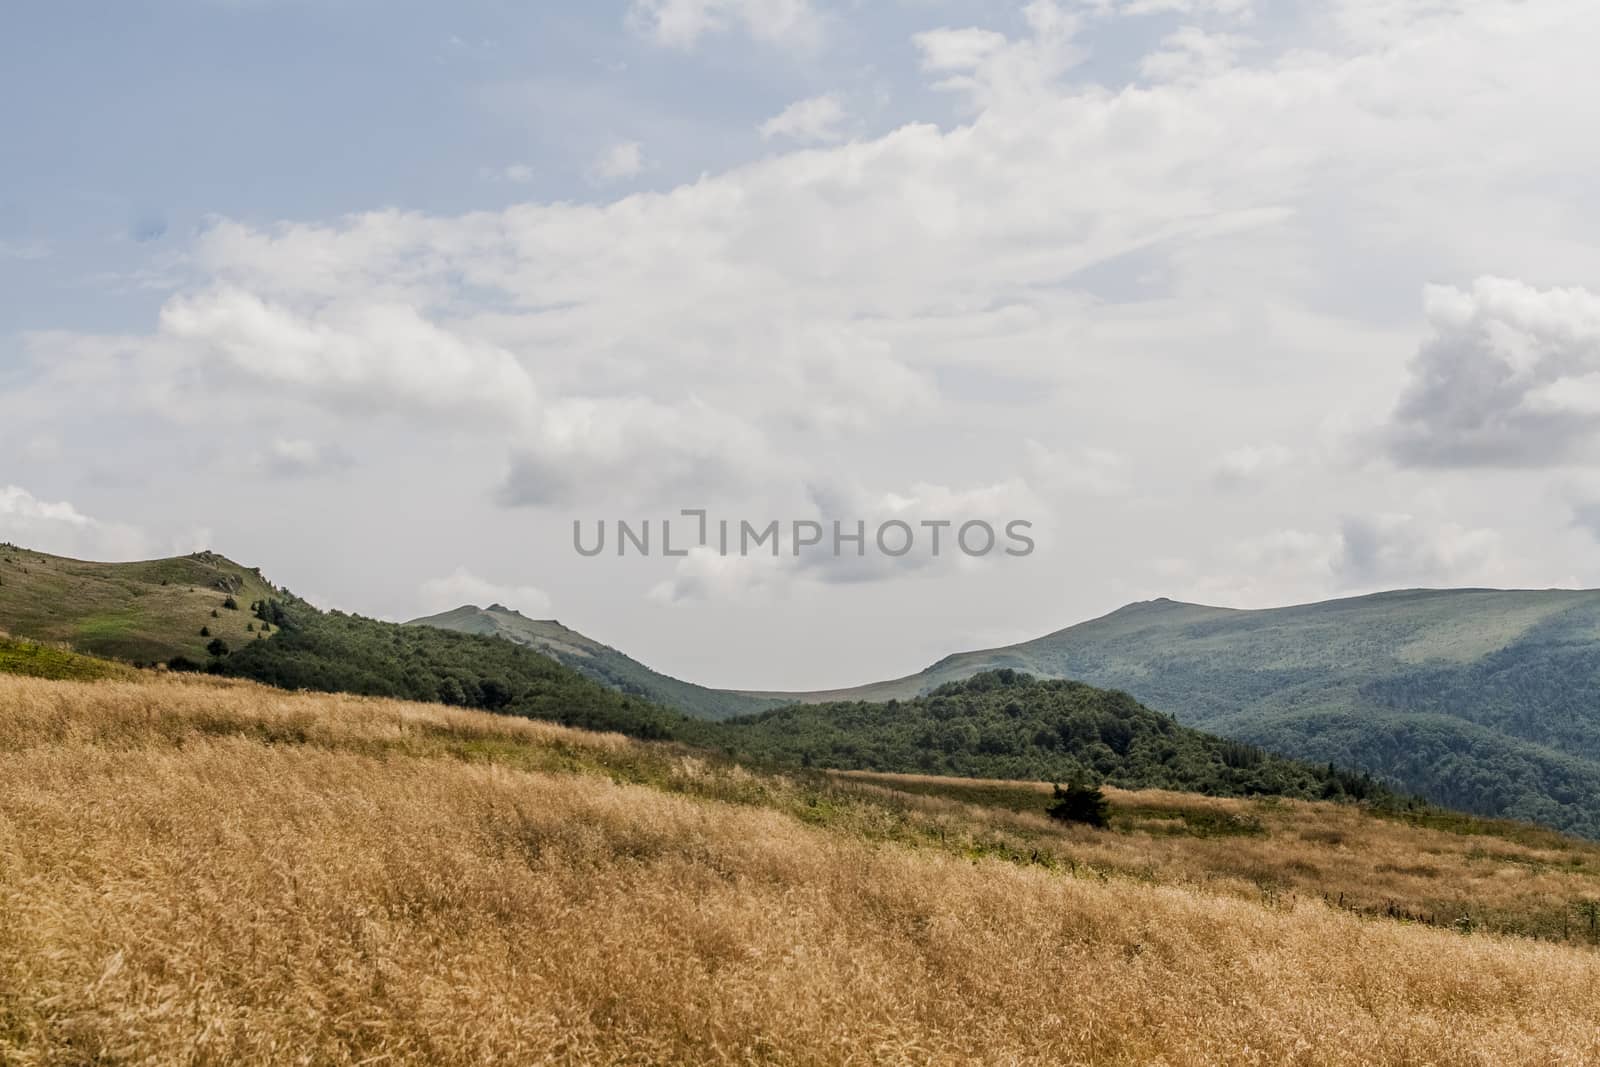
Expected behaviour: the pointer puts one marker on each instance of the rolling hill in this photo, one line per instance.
(1008, 724)
(145, 612)
(172, 611)
(999, 724)
(1484, 700)
(597, 661)
(1479, 700)
(206, 871)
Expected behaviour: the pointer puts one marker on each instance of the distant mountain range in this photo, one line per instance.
(994, 723)
(1479, 699)
(1483, 700)
(602, 663)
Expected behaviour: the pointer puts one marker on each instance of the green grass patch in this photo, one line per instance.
(44, 661)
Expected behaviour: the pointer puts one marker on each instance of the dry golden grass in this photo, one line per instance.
(1504, 877)
(203, 872)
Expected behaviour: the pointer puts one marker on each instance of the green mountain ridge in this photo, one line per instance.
(597, 661)
(1483, 699)
(142, 612)
(993, 724)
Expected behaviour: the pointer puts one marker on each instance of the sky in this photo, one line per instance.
(1242, 302)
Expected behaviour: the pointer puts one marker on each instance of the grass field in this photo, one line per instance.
(36, 660)
(210, 872)
(139, 612)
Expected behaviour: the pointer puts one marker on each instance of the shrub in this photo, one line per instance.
(217, 647)
(1085, 804)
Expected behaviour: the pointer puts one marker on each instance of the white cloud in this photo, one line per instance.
(461, 587)
(816, 118)
(514, 173)
(59, 528)
(625, 450)
(1509, 377)
(1139, 277)
(1085, 470)
(916, 532)
(625, 159)
(1365, 554)
(298, 458)
(1193, 53)
(1385, 551)
(705, 574)
(1236, 9)
(682, 23)
(1251, 465)
(992, 69)
(365, 357)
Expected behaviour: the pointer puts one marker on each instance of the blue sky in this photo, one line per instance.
(1242, 302)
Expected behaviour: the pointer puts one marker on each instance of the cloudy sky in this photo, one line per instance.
(1248, 302)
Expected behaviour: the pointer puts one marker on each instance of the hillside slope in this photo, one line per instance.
(170, 611)
(356, 880)
(1481, 699)
(1006, 724)
(143, 612)
(597, 661)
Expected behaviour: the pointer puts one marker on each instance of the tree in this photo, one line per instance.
(205, 631)
(1085, 804)
(218, 647)
(231, 604)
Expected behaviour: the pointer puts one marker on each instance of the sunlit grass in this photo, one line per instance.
(198, 871)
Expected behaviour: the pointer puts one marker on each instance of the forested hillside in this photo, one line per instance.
(339, 653)
(1006, 724)
(1478, 699)
(597, 661)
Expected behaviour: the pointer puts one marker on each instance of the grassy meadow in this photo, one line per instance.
(202, 871)
(139, 612)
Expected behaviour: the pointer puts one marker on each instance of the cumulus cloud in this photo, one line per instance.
(298, 458)
(850, 535)
(365, 357)
(625, 159)
(58, 528)
(1586, 514)
(515, 173)
(1191, 53)
(1510, 377)
(817, 118)
(682, 23)
(1251, 465)
(632, 449)
(1365, 553)
(1382, 551)
(990, 68)
(461, 586)
(1085, 470)
(1209, 255)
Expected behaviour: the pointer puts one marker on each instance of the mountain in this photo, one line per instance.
(991, 725)
(1007, 724)
(602, 663)
(174, 611)
(144, 612)
(1484, 700)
